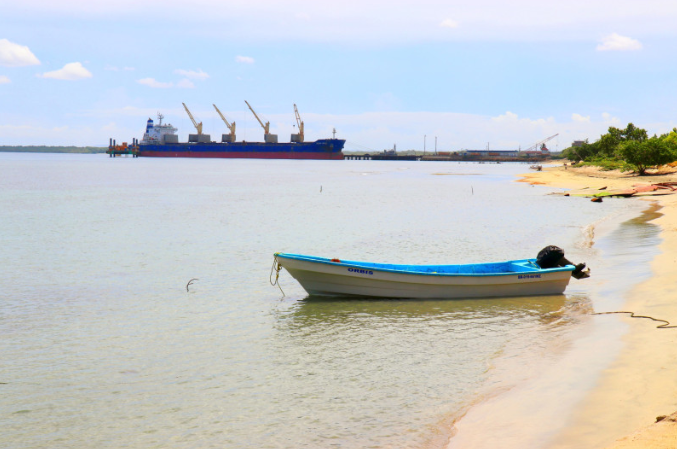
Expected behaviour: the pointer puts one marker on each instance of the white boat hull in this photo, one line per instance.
(337, 279)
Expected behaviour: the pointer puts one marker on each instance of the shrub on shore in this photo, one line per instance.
(627, 149)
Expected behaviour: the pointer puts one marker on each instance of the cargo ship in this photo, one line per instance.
(161, 140)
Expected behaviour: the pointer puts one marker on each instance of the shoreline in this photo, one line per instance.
(641, 383)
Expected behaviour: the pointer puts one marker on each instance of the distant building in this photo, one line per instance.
(578, 143)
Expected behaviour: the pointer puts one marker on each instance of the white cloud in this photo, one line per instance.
(71, 72)
(192, 74)
(151, 82)
(580, 118)
(4, 79)
(508, 116)
(185, 84)
(449, 23)
(244, 59)
(610, 120)
(302, 16)
(616, 42)
(15, 55)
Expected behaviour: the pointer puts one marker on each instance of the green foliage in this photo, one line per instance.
(671, 138)
(644, 154)
(627, 149)
(606, 164)
(581, 153)
(51, 149)
(631, 132)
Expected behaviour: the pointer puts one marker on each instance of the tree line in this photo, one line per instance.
(628, 149)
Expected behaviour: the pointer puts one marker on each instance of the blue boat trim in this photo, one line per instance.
(525, 268)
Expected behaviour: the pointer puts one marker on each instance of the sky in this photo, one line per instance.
(408, 73)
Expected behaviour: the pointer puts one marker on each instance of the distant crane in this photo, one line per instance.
(300, 136)
(266, 127)
(231, 126)
(542, 142)
(198, 126)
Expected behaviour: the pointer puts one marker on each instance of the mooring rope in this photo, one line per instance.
(276, 268)
(666, 324)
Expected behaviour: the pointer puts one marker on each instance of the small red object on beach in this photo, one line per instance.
(336, 260)
(596, 200)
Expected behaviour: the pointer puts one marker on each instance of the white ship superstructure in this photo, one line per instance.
(159, 133)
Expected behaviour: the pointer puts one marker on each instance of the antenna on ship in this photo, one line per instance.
(159, 118)
(334, 132)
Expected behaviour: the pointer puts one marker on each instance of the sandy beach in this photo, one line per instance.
(641, 384)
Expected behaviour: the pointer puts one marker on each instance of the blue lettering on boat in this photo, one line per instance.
(357, 270)
(529, 276)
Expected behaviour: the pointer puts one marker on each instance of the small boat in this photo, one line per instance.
(335, 277)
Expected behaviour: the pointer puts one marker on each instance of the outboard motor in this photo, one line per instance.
(553, 256)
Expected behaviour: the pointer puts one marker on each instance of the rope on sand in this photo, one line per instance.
(665, 325)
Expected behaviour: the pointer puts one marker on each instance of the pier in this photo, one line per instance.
(380, 157)
(443, 157)
(122, 150)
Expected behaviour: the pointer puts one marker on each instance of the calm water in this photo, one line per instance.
(103, 347)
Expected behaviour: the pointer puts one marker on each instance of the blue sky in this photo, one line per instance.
(380, 72)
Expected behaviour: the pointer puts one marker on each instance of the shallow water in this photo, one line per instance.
(103, 346)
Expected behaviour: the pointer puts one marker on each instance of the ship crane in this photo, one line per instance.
(266, 127)
(269, 138)
(198, 126)
(300, 136)
(542, 142)
(231, 126)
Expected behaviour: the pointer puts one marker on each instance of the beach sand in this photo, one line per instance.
(641, 384)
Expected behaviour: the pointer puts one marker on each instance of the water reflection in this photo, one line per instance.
(417, 358)
(325, 310)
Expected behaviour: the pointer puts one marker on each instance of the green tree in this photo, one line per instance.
(642, 154)
(671, 139)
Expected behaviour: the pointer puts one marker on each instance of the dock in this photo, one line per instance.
(380, 157)
(122, 150)
(443, 157)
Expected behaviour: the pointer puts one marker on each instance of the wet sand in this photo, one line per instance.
(641, 384)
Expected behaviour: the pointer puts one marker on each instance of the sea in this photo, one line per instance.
(137, 311)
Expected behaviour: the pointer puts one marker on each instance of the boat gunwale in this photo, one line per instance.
(364, 265)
